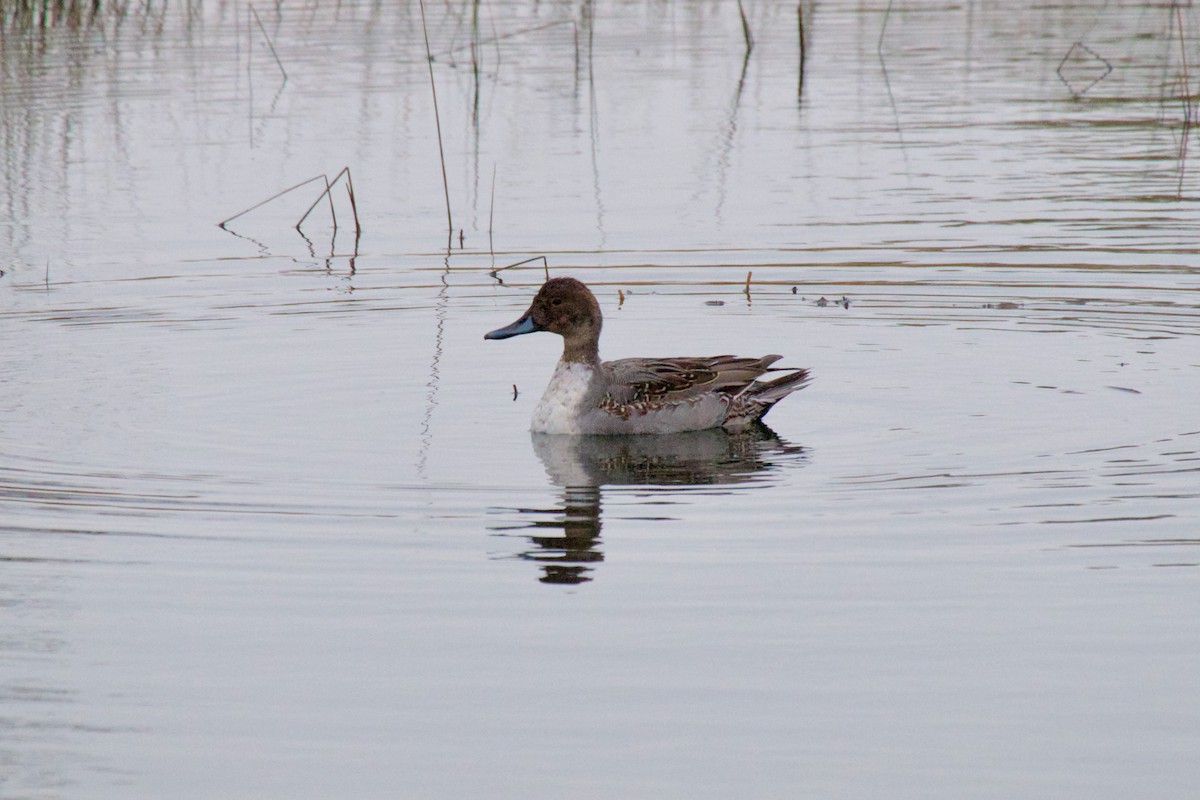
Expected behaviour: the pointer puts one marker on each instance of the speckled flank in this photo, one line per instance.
(575, 401)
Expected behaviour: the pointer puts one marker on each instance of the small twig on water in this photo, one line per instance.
(438, 122)
(269, 43)
(749, 275)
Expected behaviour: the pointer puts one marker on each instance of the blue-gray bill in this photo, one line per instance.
(524, 325)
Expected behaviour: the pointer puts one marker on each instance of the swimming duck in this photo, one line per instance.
(639, 395)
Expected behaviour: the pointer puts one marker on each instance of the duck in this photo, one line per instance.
(640, 395)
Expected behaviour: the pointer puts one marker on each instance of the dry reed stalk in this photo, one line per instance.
(438, 122)
(353, 202)
(545, 264)
(499, 37)
(329, 184)
(275, 196)
(1187, 102)
(270, 46)
(745, 28)
(887, 14)
(492, 204)
(800, 26)
(475, 55)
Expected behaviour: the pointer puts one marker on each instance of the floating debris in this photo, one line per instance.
(822, 302)
(515, 393)
(714, 302)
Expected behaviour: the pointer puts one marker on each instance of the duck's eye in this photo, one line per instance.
(556, 301)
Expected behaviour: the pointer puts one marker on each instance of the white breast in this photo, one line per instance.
(566, 400)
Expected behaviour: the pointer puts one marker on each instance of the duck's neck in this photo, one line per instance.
(581, 350)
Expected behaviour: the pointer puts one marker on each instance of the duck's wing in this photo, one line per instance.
(665, 381)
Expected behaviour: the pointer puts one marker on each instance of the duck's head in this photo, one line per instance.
(567, 307)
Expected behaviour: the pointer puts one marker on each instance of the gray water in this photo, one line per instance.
(272, 523)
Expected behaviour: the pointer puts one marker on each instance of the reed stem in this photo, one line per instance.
(746, 28)
(270, 46)
(800, 32)
(438, 122)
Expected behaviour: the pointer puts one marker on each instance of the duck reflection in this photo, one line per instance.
(566, 538)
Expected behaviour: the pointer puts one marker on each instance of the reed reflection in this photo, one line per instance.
(566, 539)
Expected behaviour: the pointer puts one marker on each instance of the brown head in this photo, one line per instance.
(566, 307)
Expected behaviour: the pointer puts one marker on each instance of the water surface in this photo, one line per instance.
(272, 522)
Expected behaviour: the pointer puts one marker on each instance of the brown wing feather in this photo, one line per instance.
(676, 380)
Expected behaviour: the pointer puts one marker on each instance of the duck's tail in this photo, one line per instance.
(754, 403)
(768, 393)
